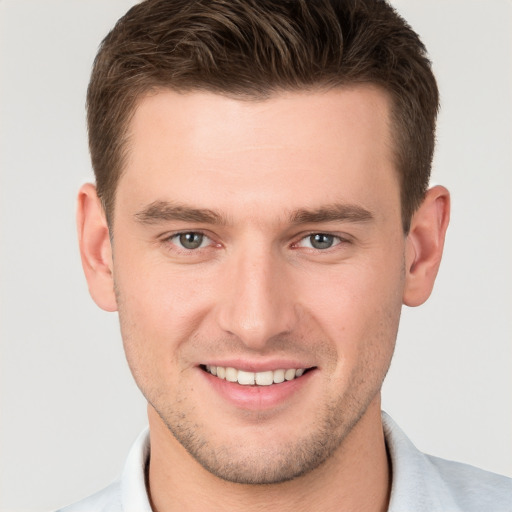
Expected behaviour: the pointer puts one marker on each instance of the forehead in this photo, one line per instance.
(329, 113)
(294, 147)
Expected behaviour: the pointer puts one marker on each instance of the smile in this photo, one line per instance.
(244, 378)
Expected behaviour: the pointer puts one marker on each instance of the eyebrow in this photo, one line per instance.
(332, 213)
(164, 211)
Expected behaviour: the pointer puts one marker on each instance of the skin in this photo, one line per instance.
(256, 293)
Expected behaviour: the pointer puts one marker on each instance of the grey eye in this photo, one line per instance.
(191, 240)
(321, 241)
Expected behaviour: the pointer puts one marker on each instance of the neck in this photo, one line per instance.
(355, 478)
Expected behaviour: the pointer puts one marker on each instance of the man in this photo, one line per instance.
(260, 215)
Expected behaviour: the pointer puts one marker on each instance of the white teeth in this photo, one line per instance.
(250, 378)
(290, 374)
(265, 378)
(245, 378)
(278, 376)
(231, 374)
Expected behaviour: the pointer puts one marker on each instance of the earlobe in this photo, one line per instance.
(95, 247)
(424, 245)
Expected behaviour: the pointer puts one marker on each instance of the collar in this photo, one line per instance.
(416, 484)
(134, 493)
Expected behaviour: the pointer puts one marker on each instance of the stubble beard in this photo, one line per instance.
(276, 462)
(268, 463)
(273, 462)
(246, 461)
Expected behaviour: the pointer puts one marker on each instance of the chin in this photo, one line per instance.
(258, 455)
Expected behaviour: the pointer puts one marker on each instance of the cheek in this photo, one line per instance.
(358, 308)
(159, 298)
(352, 293)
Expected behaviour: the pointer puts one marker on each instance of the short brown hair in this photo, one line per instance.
(252, 49)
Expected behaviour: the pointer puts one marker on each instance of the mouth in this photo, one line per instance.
(265, 378)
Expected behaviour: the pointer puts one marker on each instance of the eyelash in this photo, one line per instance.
(339, 240)
(168, 240)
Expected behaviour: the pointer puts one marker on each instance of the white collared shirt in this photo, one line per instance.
(420, 483)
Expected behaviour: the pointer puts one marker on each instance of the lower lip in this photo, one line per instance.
(257, 397)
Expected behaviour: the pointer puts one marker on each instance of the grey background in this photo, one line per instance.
(69, 409)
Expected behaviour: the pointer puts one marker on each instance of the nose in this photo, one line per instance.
(258, 303)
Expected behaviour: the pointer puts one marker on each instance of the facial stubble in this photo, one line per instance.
(268, 462)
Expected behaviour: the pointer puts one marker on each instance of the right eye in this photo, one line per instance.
(190, 240)
(319, 241)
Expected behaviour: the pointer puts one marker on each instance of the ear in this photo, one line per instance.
(424, 245)
(95, 247)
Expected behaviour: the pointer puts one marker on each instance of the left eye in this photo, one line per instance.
(319, 241)
(191, 240)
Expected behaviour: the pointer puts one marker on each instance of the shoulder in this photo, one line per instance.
(423, 483)
(108, 499)
(474, 489)
(128, 492)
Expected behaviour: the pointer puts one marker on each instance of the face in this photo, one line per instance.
(259, 270)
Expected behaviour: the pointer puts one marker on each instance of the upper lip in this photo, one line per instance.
(258, 366)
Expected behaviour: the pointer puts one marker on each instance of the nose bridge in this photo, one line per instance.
(258, 304)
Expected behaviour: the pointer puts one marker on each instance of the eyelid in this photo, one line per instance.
(168, 237)
(341, 239)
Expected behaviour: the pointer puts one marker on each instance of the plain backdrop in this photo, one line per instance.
(69, 408)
